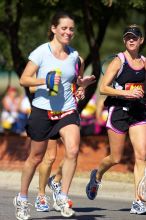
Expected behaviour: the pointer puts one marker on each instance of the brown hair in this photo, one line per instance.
(55, 21)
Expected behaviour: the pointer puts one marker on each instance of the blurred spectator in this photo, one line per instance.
(10, 105)
(23, 112)
(93, 117)
(101, 111)
(15, 110)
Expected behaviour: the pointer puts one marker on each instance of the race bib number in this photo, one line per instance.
(130, 86)
(59, 115)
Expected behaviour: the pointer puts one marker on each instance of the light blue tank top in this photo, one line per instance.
(46, 61)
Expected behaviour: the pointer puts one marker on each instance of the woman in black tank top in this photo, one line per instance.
(127, 113)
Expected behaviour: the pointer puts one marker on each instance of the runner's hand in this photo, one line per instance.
(86, 81)
(80, 93)
(134, 93)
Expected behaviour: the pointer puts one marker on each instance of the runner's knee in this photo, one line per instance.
(72, 152)
(49, 160)
(35, 160)
(140, 156)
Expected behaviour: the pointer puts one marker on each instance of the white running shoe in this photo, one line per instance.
(66, 210)
(56, 189)
(54, 186)
(42, 203)
(138, 207)
(58, 209)
(21, 209)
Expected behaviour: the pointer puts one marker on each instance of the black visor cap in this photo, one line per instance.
(133, 30)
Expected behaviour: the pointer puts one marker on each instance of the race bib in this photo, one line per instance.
(58, 115)
(130, 86)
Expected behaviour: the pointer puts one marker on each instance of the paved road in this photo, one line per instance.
(113, 201)
(99, 209)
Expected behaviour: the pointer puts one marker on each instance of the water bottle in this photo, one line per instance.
(54, 91)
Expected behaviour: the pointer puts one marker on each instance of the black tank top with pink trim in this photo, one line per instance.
(130, 75)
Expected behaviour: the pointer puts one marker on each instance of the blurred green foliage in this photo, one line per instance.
(99, 28)
(36, 16)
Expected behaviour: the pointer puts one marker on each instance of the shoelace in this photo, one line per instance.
(44, 199)
(24, 207)
(24, 204)
(141, 204)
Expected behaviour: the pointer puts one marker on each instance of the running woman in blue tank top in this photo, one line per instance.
(54, 109)
(123, 83)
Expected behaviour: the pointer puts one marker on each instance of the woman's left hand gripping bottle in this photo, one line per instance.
(52, 81)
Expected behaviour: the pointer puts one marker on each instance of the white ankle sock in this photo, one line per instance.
(22, 197)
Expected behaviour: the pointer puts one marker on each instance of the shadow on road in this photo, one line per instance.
(80, 217)
(122, 210)
(88, 209)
